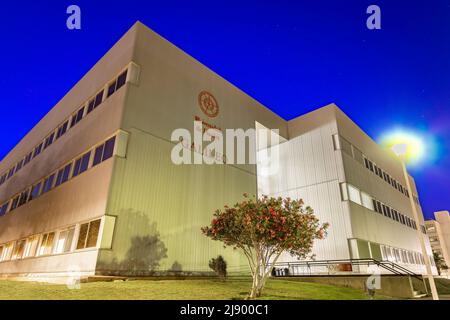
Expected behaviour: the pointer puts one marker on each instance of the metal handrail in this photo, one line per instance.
(387, 265)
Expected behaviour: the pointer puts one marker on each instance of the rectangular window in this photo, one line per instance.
(3, 209)
(62, 130)
(64, 243)
(98, 99)
(91, 106)
(121, 80)
(354, 194)
(48, 184)
(98, 155)
(19, 165)
(111, 89)
(28, 158)
(35, 191)
(19, 249)
(77, 117)
(63, 175)
(2, 179)
(371, 166)
(37, 150)
(81, 165)
(31, 247)
(109, 149)
(11, 172)
(367, 201)
(23, 198)
(14, 203)
(46, 245)
(7, 252)
(49, 141)
(88, 235)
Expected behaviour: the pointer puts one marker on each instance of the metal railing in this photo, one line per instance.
(301, 268)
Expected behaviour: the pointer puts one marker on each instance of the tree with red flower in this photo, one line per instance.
(265, 228)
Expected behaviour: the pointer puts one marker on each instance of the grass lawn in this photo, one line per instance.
(176, 290)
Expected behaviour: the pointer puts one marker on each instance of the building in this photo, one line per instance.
(92, 188)
(439, 233)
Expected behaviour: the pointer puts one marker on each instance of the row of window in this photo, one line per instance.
(62, 241)
(71, 170)
(402, 256)
(342, 144)
(350, 192)
(73, 120)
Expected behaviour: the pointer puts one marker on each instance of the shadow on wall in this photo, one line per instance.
(146, 249)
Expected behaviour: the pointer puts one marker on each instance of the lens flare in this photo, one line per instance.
(420, 147)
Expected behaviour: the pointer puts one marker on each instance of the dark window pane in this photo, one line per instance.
(66, 173)
(59, 177)
(98, 99)
(48, 184)
(82, 236)
(80, 114)
(98, 155)
(91, 106)
(35, 191)
(111, 89)
(3, 209)
(85, 162)
(94, 228)
(109, 148)
(14, 203)
(121, 80)
(76, 168)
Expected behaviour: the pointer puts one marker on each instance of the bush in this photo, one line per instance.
(219, 266)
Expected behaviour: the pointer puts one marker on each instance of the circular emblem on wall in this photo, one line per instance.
(208, 104)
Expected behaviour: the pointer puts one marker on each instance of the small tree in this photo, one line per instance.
(219, 266)
(440, 262)
(265, 228)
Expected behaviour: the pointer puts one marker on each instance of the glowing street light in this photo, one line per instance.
(401, 150)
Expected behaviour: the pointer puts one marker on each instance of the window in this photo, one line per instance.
(354, 194)
(23, 198)
(111, 89)
(14, 203)
(3, 209)
(49, 140)
(88, 235)
(7, 252)
(104, 151)
(95, 102)
(2, 179)
(64, 243)
(31, 247)
(48, 184)
(37, 150)
(62, 130)
(19, 165)
(35, 191)
(63, 175)
(121, 80)
(77, 117)
(81, 165)
(19, 249)
(371, 166)
(28, 158)
(11, 172)
(367, 201)
(46, 245)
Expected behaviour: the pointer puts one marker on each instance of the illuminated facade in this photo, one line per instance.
(92, 187)
(439, 234)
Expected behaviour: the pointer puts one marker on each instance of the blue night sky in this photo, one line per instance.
(292, 56)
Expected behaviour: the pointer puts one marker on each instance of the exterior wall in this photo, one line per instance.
(439, 234)
(80, 199)
(150, 195)
(310, 169)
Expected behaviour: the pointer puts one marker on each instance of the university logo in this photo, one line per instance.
(208, 104)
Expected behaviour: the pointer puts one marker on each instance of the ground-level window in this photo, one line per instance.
(31, 247)
(19, 249)
(88, 234)
(64, 243)
(6, 252)
(46, 245)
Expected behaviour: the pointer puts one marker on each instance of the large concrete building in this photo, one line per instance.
(438, 231)
(92, 188)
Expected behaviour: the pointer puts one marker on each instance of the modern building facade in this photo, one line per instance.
(438, 231)
(92, 188)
